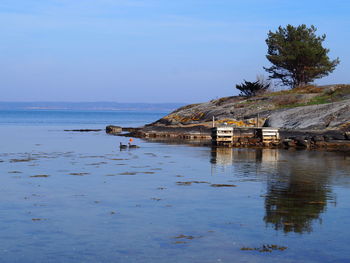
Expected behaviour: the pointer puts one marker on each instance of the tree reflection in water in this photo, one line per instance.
(298, 186)
(298, 192)
(292, 206)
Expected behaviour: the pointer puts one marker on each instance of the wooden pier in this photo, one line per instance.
(270, 135)
(229, 136)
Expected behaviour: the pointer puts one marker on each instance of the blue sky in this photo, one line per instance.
(151, 51)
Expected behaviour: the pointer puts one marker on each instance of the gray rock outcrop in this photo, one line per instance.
(332, 115)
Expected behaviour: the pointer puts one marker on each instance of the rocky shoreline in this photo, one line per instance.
(334, 140)
(309, 117)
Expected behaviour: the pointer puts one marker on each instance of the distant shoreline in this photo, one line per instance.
(92, 106)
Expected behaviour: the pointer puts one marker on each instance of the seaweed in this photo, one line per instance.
(40, 176)
(128, 173)
(265, 248)
(79, 174)
(223, 185)
(191, 182)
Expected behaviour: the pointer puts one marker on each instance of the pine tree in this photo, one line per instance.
(297, 55)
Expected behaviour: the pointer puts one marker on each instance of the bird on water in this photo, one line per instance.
(132, 145)
(123, 146)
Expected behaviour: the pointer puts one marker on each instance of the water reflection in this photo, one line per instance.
(293, 204)
(221, 156)
(227, 156)
(298, 183)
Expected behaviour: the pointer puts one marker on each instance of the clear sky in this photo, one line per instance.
(151, 50)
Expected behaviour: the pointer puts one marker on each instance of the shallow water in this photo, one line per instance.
(75, 197)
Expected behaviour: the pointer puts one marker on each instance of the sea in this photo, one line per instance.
(70, 196)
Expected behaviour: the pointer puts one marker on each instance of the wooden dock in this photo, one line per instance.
(228, 136)
(270, 135)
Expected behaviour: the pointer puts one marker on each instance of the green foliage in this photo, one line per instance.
(297, 55)
(250, 89)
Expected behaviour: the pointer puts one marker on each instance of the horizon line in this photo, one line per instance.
(43, 101)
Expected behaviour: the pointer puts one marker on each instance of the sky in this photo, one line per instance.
(151, 50)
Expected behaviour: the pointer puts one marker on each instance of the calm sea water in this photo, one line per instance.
(70, 118)
(75, 197)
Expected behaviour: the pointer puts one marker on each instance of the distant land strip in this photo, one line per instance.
(95, 106)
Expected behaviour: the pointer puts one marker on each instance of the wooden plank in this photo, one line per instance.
(224, 140)
(270, 132)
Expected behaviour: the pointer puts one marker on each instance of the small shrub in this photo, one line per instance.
(250, 89)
